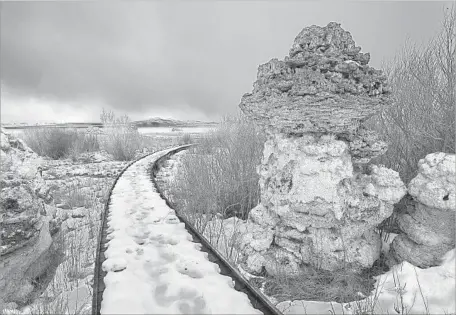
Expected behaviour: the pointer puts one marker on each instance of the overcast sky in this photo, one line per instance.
(64, 61)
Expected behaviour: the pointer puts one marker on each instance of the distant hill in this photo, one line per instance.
(152, 122)
(161, 122)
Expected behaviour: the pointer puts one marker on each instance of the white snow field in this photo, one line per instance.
(152, 264)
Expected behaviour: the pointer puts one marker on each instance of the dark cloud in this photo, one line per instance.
(139, 55)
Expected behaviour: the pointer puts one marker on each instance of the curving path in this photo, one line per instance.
(150, 261)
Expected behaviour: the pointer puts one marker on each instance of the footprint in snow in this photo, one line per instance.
(167, 255)
(154, 270)
(114, 264)
(161, 239)
(189, 268)
(162, 298)
(154, 221)
(157, 237)
(172, 240)
(188, 301)
(141, 232)
(140, 240)
(141, 216)
(198, 307)
(172, 219)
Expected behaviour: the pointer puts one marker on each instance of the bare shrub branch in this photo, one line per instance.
(422, 119)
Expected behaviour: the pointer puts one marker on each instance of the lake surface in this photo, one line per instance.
(143, 130)
(166, 130)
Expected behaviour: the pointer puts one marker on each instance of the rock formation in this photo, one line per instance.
(316, 208)
(324, 85)
(26, 243)
(428, 222)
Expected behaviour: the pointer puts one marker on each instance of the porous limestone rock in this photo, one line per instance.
(434, 186)
(321, 210)
(316, 207)
(25, 236)
(364, 145)
(428, 220)
(324, 85)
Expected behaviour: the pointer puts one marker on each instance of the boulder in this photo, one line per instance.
(427, 222)
(422, 256)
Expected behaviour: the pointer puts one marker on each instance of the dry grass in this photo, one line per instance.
(86, 142)
(69, 292)
(186, 138)
(58, 143)
(218, 176)
(319, 285)
(79, 193)
(55, 143)
(123, 141)
(119, 138)
(226, 236)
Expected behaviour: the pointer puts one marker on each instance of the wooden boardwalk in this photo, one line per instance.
(257, 299)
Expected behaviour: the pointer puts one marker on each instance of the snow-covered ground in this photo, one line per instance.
(153, 265)
(156, 270)
(405, 289)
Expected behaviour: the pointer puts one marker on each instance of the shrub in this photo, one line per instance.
(53, 142)
(185, 139)
(218, 177)
(121, 140)
(85, 142)
(59, 143)
(422, 120)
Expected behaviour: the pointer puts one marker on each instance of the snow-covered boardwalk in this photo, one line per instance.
(152, 265)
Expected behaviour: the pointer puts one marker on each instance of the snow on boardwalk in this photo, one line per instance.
(152, 265)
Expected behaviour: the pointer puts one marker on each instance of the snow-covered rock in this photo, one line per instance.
(435, 184)
(26, 243)
(428, 222)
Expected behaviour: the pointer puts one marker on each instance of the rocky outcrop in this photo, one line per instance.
(26, 241)
(316, 208)
(324, 85)
(428, 220)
